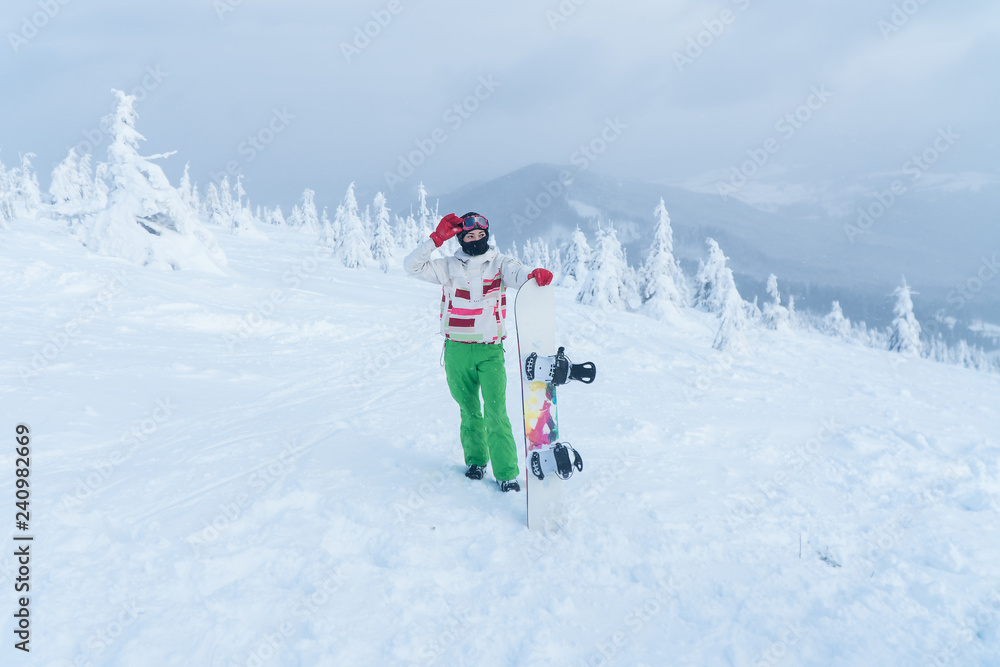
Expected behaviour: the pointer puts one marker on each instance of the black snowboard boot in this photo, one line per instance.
(475, 472)
(509, 485)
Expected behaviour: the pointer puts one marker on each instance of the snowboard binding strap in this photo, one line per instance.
(560, 459)
(558, 370)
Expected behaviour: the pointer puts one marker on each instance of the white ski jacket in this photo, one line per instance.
(473, 290)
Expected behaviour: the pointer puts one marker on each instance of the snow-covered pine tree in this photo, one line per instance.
(367, 223)
(146, 220)
(228, 206)
(398, 231)
(575, 260)
(352, 247)
(528, 254)
(276, 217)
(187, 189)
(607, 282)
(27, 194)
(835, 324)
(774, 315)
(905, 336)
(73, 190)
(244, 223)
(974, 357)
(326, 225)
(66, 189)
(382, 242)
(711, 279)
(717, 293)
(631, 284)
(937, 350)
(215, 213)
(410, 236)
(6, 205)
(310, 217)
(424, 223)
(20, 196)
(295, 219)
(961, 353)
(733, 317)
(662, 284)
(544, 255)
(557, 262)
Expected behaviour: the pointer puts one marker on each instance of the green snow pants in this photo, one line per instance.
(471, 368)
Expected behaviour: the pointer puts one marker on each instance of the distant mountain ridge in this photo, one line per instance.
(809, 251)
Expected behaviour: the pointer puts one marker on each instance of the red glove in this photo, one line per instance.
(450, 225)
(542, 276)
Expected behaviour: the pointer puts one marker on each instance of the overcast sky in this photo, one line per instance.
(542, 83)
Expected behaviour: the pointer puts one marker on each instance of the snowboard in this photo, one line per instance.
(548, 461)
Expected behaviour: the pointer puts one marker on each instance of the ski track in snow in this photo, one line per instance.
(303, 503)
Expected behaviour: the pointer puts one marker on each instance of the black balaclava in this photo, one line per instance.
(474, 248)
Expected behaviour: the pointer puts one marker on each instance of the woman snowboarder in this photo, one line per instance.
(473, 307)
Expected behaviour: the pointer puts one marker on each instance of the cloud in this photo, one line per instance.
(919, 51)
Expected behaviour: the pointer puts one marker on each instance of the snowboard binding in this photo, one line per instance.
(559, 369)
(559, 459)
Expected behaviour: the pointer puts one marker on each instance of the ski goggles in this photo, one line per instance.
(475, 222)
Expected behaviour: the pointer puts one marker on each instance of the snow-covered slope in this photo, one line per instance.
(263, 468)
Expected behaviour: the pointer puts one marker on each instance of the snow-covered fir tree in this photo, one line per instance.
(733, 317)
(244, 222)
(835, 324)
(905, 336)
(408, 233)
(6, 203)
(774, 315)
(717, 293)
(310, 217)
(793, 317)
(276, 217)
(326, 225)
(215, 212)
(425, 225)
(74, 189)
(608, 282)
(632, 289)
(227, 205)
(20, 196)
(557, 262)
(146, 220)
(529, 253)
(711, 279)
(27, 194)
(382, 242)
(351, 245)
(543, 254)
(576, 258)
(188, 191)
(367, 223)
(661, 281)
(295, 217)
(973, 357)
